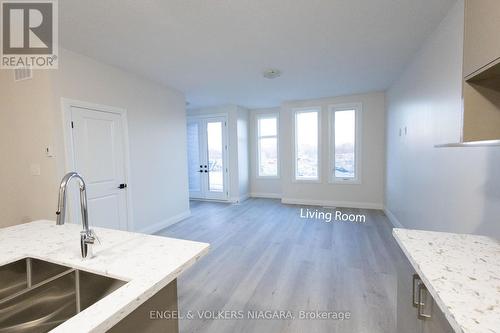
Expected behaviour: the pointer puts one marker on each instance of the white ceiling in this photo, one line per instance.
(215, 50)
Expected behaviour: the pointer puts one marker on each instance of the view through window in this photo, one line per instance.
(306, 145)
(345, 144)
(215, 157)
(267, 145)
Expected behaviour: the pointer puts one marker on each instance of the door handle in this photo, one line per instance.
(416, 280)
(421, 304)
(122, 186)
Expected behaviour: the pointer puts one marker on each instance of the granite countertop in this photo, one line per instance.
(462, 273)
(147, 263)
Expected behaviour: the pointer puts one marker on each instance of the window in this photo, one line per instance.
(267, 145)
(307, 145)
(345, 144)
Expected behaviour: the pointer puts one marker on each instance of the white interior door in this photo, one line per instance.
(207, 158)
(99, 156)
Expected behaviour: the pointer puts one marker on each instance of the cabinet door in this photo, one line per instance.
(482, 44)
(437, 323)
(407, 320)
(407, 314)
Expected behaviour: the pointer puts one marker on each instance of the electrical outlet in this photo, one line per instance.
(35, 169)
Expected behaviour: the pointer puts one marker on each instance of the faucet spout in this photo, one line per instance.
(87, 235)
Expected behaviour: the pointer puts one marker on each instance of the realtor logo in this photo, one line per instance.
(29, 34)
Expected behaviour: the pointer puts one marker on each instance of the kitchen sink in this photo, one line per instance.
(36, 295)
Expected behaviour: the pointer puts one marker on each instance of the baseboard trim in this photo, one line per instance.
(327, 203)
(165, 223)
(265, 195)
(392, 218)
(244, 197)
(237, 200)
(210, 200)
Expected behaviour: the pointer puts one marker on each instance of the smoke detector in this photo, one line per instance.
(271, 73)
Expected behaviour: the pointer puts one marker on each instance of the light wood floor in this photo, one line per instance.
(265, 257)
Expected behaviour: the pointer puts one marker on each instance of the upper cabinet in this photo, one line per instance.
(482, 35)
(481, 85)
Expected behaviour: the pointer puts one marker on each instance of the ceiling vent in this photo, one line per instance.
(23, 73)
(271, 73)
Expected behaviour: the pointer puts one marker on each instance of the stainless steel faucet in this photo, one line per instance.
(87, 236)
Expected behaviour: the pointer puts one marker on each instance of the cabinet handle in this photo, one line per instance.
(416, 279)
(421, 305)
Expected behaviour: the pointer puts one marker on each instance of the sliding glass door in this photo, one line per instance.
(207, 157)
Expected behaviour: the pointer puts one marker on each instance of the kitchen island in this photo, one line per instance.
(146, 265)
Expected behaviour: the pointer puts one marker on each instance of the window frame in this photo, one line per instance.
(358, 109)
(258, 137)
(297, 111)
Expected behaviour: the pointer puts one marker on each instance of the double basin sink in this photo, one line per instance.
(37, 296)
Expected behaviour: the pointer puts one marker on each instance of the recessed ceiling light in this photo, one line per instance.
(271, 73)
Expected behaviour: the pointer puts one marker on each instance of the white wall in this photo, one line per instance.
(368, 194)
(444, 189)
(26, 128)
(261, 187)
(243, 154)
(157, 133)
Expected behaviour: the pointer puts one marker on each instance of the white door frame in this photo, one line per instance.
(69, 158)
(197, 195)
(226, 153)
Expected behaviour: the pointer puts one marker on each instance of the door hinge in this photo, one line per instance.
(72, 125)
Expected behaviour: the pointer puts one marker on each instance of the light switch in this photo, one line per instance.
(35, 169)
(49, 151)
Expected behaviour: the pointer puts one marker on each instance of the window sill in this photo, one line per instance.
(306, 181)
(346, 182)
(267, 177)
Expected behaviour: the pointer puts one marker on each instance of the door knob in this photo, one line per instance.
(122, 186)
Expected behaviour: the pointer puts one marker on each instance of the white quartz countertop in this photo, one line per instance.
(462, 273)
(147, 263)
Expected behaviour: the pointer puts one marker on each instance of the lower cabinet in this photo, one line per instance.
(416, 310)
(141, 319)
